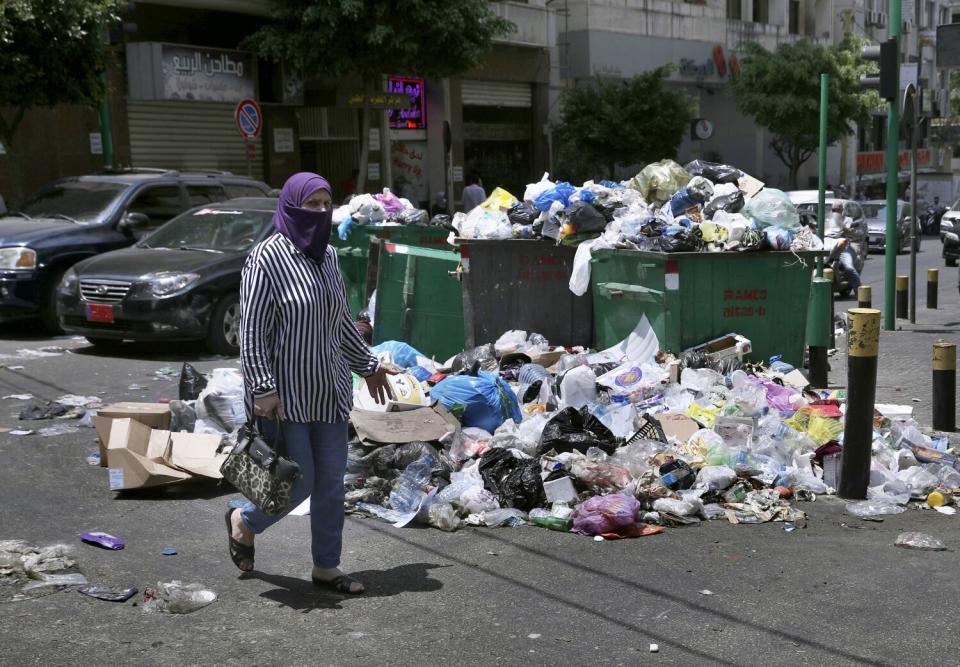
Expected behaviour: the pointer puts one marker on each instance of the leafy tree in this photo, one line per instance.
(605, 122)
(51, 52)
(781, 91)
(367, 38)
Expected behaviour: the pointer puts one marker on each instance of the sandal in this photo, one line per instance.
(340, 584)
(239, 552)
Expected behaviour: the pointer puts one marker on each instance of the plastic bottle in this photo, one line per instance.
(677, 474)
(544, 519)
(408, 492)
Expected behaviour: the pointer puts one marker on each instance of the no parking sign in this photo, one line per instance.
(249, 118)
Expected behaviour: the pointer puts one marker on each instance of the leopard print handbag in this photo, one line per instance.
(260, 471)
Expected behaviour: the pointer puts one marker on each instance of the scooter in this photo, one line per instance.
(841, 278)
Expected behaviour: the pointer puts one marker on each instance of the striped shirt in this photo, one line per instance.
(296, 335)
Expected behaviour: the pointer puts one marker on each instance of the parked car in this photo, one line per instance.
(76, 218)
(806, 196)
(181, 283)
(875, 212)
(851, 209)
(950, 234)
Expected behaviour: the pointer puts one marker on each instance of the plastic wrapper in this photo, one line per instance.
(499, 200)
(875, 507)
(677, 507)
(605, 514)
(576, 430)
(716, 173)
(176, 598)
(716, 478)
(772, 207)
(920, 541)
(192, 382)
(443, 516)
(657, 182)
(482, 400)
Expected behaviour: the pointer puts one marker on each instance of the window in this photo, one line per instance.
(761, 11)
(734, 10)
(205, 194)
(158, 203)
(794, 25)
(243, 190)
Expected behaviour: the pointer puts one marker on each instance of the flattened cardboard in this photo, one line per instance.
(678, 426)
(196, 453)
(154, 415)
(751, 187)
(425, 424)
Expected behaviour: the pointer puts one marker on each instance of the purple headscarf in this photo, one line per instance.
(308, 230)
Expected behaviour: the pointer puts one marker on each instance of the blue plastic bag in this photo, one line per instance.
(345, 227)
(560, 192)
(586, 196)
(481, 401)
(777, 238)
(402, 354)
(420, 373)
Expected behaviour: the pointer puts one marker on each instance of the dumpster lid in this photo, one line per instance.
(429, 253)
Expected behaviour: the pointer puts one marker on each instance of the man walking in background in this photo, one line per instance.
(473, 194)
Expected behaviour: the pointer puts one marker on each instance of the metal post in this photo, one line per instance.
(933, 281)
(863, 345)
(864, 297)
(818, 331)
(247, 145)
(893, 149)
(903, 284)
(913, 205)
(106, 138)
(828, 274)
(944, 386)
(822, 166)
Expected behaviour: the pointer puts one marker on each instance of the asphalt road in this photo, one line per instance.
(837, 592)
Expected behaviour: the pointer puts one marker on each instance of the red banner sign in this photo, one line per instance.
(875, 162)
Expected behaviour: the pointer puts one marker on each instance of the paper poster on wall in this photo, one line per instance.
(373, 171)
(374, 139)
(457, 174)
(408, 159)
(96, 143)
(283, 140)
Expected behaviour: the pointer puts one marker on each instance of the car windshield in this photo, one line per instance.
(877, 211)
(82, 201)
(217, 229)
(956, 205)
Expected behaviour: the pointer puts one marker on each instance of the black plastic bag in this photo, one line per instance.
(413, 216)
(441, 220)
(606, 209)
(729, 203)
(515, 482)
(482, 358)
(716, 173)
(573, 430)
(689, 240)
(523, 213)
(192, 382)
(584, 218)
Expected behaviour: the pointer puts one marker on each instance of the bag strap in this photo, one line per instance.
(279, 443)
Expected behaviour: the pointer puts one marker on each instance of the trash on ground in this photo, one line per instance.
(104, 540)
(108, 593)
(169, 552)
(22, 431)
(19, 397)
(56, 431)
(176, 598)
(920, 541)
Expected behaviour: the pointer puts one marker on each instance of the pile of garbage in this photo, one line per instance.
(384, 208)
(618, 443)
(701, 207)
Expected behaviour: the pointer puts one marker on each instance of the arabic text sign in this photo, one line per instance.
(210, 75)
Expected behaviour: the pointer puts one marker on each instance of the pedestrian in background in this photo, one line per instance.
(473, 194)
(298, 346)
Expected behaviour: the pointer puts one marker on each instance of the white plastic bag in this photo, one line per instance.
(578, 388)
(716, 478)
(220, 406)
(772, 207)
(534, 190)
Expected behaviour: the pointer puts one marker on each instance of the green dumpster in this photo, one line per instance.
(691, 298)
(419, 299)
(354, 252)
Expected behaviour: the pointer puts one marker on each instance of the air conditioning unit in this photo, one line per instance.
(881, 20)
(876, 19)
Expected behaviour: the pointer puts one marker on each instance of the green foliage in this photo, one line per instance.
(605, 122)
(432, 38)
(781, 91)
(51, 52)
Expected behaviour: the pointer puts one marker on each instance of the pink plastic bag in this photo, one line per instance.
(605, 514)
(390, 202)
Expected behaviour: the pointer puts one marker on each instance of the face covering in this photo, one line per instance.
(309, 230)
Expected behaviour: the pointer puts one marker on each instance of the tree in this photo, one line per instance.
(605, 122)
(367, 38)
(781, 91)
(51, 52)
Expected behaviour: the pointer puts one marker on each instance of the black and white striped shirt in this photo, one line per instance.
(296, 335)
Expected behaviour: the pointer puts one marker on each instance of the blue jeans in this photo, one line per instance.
(320, 449)
(848, 262)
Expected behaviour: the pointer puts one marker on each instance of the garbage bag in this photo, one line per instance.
(499, 200)
(576, 430)
(687, 240)
(391, 203)
(183, 416)
(717, 173)
(192, 382)
(772, 207)
(534, 190)
(485, 356)
(413, 216)
(441, 220)
(482, 400)
(401, 353)
(729, 203)
(777, 238)
(578, 388)
(605, 514)
(560, 192)
(516, 482)
(364, 209)
(220, 406)
(584, 218)
(658, 182)
(524, 214)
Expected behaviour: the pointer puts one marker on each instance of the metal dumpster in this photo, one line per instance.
(522, 284)
(419, 299)
(691, 298)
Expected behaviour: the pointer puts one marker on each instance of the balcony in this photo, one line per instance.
(532, 21)
(766, 35)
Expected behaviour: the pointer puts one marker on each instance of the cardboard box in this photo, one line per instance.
(406, 393)
(196, 453)
(154, 415)
(426, 424)
(718, 349)
(135, 457)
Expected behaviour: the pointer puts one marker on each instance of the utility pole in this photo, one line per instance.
(893, 169)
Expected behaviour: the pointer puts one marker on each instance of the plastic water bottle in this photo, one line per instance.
(409, 491)
(545, 519)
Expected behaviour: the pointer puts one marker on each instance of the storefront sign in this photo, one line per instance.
(875, 161)
(411, 116)
(409, 163)
(209, 75)
(377, 100)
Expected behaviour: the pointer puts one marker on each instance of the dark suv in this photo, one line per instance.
(75, 218)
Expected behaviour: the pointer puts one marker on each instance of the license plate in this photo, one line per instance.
(98, 312)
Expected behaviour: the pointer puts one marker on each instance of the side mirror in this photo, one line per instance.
(133, 221)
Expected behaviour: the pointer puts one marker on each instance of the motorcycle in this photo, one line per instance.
(835, 247)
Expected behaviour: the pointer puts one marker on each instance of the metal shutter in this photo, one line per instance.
(496, 94)
(188, 135)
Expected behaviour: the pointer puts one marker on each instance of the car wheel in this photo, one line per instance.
(48, 307)
(104, 343)
(223, 334)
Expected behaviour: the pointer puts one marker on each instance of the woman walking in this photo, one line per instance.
(298, 345)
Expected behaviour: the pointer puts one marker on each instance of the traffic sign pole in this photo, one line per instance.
(893, 168)
(249, 119)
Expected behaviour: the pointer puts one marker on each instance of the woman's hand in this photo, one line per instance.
(266, 406)
(378, 385)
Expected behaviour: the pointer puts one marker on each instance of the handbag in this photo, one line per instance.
(261, 472)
